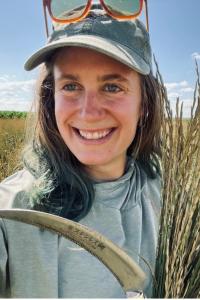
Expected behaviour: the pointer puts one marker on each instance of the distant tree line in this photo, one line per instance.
(13, 114)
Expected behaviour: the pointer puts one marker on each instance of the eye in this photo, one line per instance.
(71, 87)
(112, 88)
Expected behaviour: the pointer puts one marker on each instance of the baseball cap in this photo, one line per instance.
(126, 41)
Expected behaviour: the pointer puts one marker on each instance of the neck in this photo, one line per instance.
(108, 172)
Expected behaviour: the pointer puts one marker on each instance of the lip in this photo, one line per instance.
(94, 141)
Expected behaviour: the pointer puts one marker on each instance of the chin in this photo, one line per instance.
(92, 160)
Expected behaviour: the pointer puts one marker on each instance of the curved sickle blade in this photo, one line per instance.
(127, 272)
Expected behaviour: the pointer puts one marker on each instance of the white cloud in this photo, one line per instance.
(173, 85)
(173, 95)
(15, 104)
(16, 84)
(187, 104)
(15, 94)
(196, 55)
(184, 92)
(187, 90)
(3, 79)
(184, 83)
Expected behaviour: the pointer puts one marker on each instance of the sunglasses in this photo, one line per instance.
(68, 11)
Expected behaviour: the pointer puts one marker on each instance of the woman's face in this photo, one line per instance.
(97, 108)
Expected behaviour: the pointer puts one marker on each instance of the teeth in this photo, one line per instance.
(94, 135)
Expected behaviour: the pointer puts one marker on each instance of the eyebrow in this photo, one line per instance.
(68, 77)
(117, 77)
(103, 78)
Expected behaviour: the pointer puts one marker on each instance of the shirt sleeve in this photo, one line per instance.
(13, 190)
(3, 262)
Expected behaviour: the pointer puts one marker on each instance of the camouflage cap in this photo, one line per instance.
(125, 41)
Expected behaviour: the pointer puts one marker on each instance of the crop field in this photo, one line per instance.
(11, 142)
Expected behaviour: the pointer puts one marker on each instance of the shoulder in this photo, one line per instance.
(151, 189)
(13, 189)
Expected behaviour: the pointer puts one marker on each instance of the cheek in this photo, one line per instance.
(62, 108)
(61, 114)
(132, 111)
(58, 112)
(131, 116)
(59, 103)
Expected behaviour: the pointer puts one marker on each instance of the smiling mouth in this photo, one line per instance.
(94, 135)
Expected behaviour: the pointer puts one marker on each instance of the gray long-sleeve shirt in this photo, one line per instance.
(36, 263)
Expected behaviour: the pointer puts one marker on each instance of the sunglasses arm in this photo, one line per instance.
(45, 18)
(147, 16)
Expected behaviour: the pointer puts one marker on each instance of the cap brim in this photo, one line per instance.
(121, 53)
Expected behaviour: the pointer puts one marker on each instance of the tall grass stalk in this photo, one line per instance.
(177, 273)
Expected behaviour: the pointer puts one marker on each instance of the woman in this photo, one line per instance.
(93, 158)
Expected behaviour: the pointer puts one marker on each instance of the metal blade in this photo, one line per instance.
(128, 273)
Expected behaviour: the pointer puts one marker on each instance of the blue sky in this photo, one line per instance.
(174, 32)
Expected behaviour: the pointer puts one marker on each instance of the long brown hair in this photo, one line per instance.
(146, 146)
(66, 189)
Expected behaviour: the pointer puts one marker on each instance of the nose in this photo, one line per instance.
(91, 106)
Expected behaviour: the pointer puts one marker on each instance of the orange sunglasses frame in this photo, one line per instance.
(47, 5)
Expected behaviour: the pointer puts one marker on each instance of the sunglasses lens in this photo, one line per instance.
(124, 7)
(64, 10)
